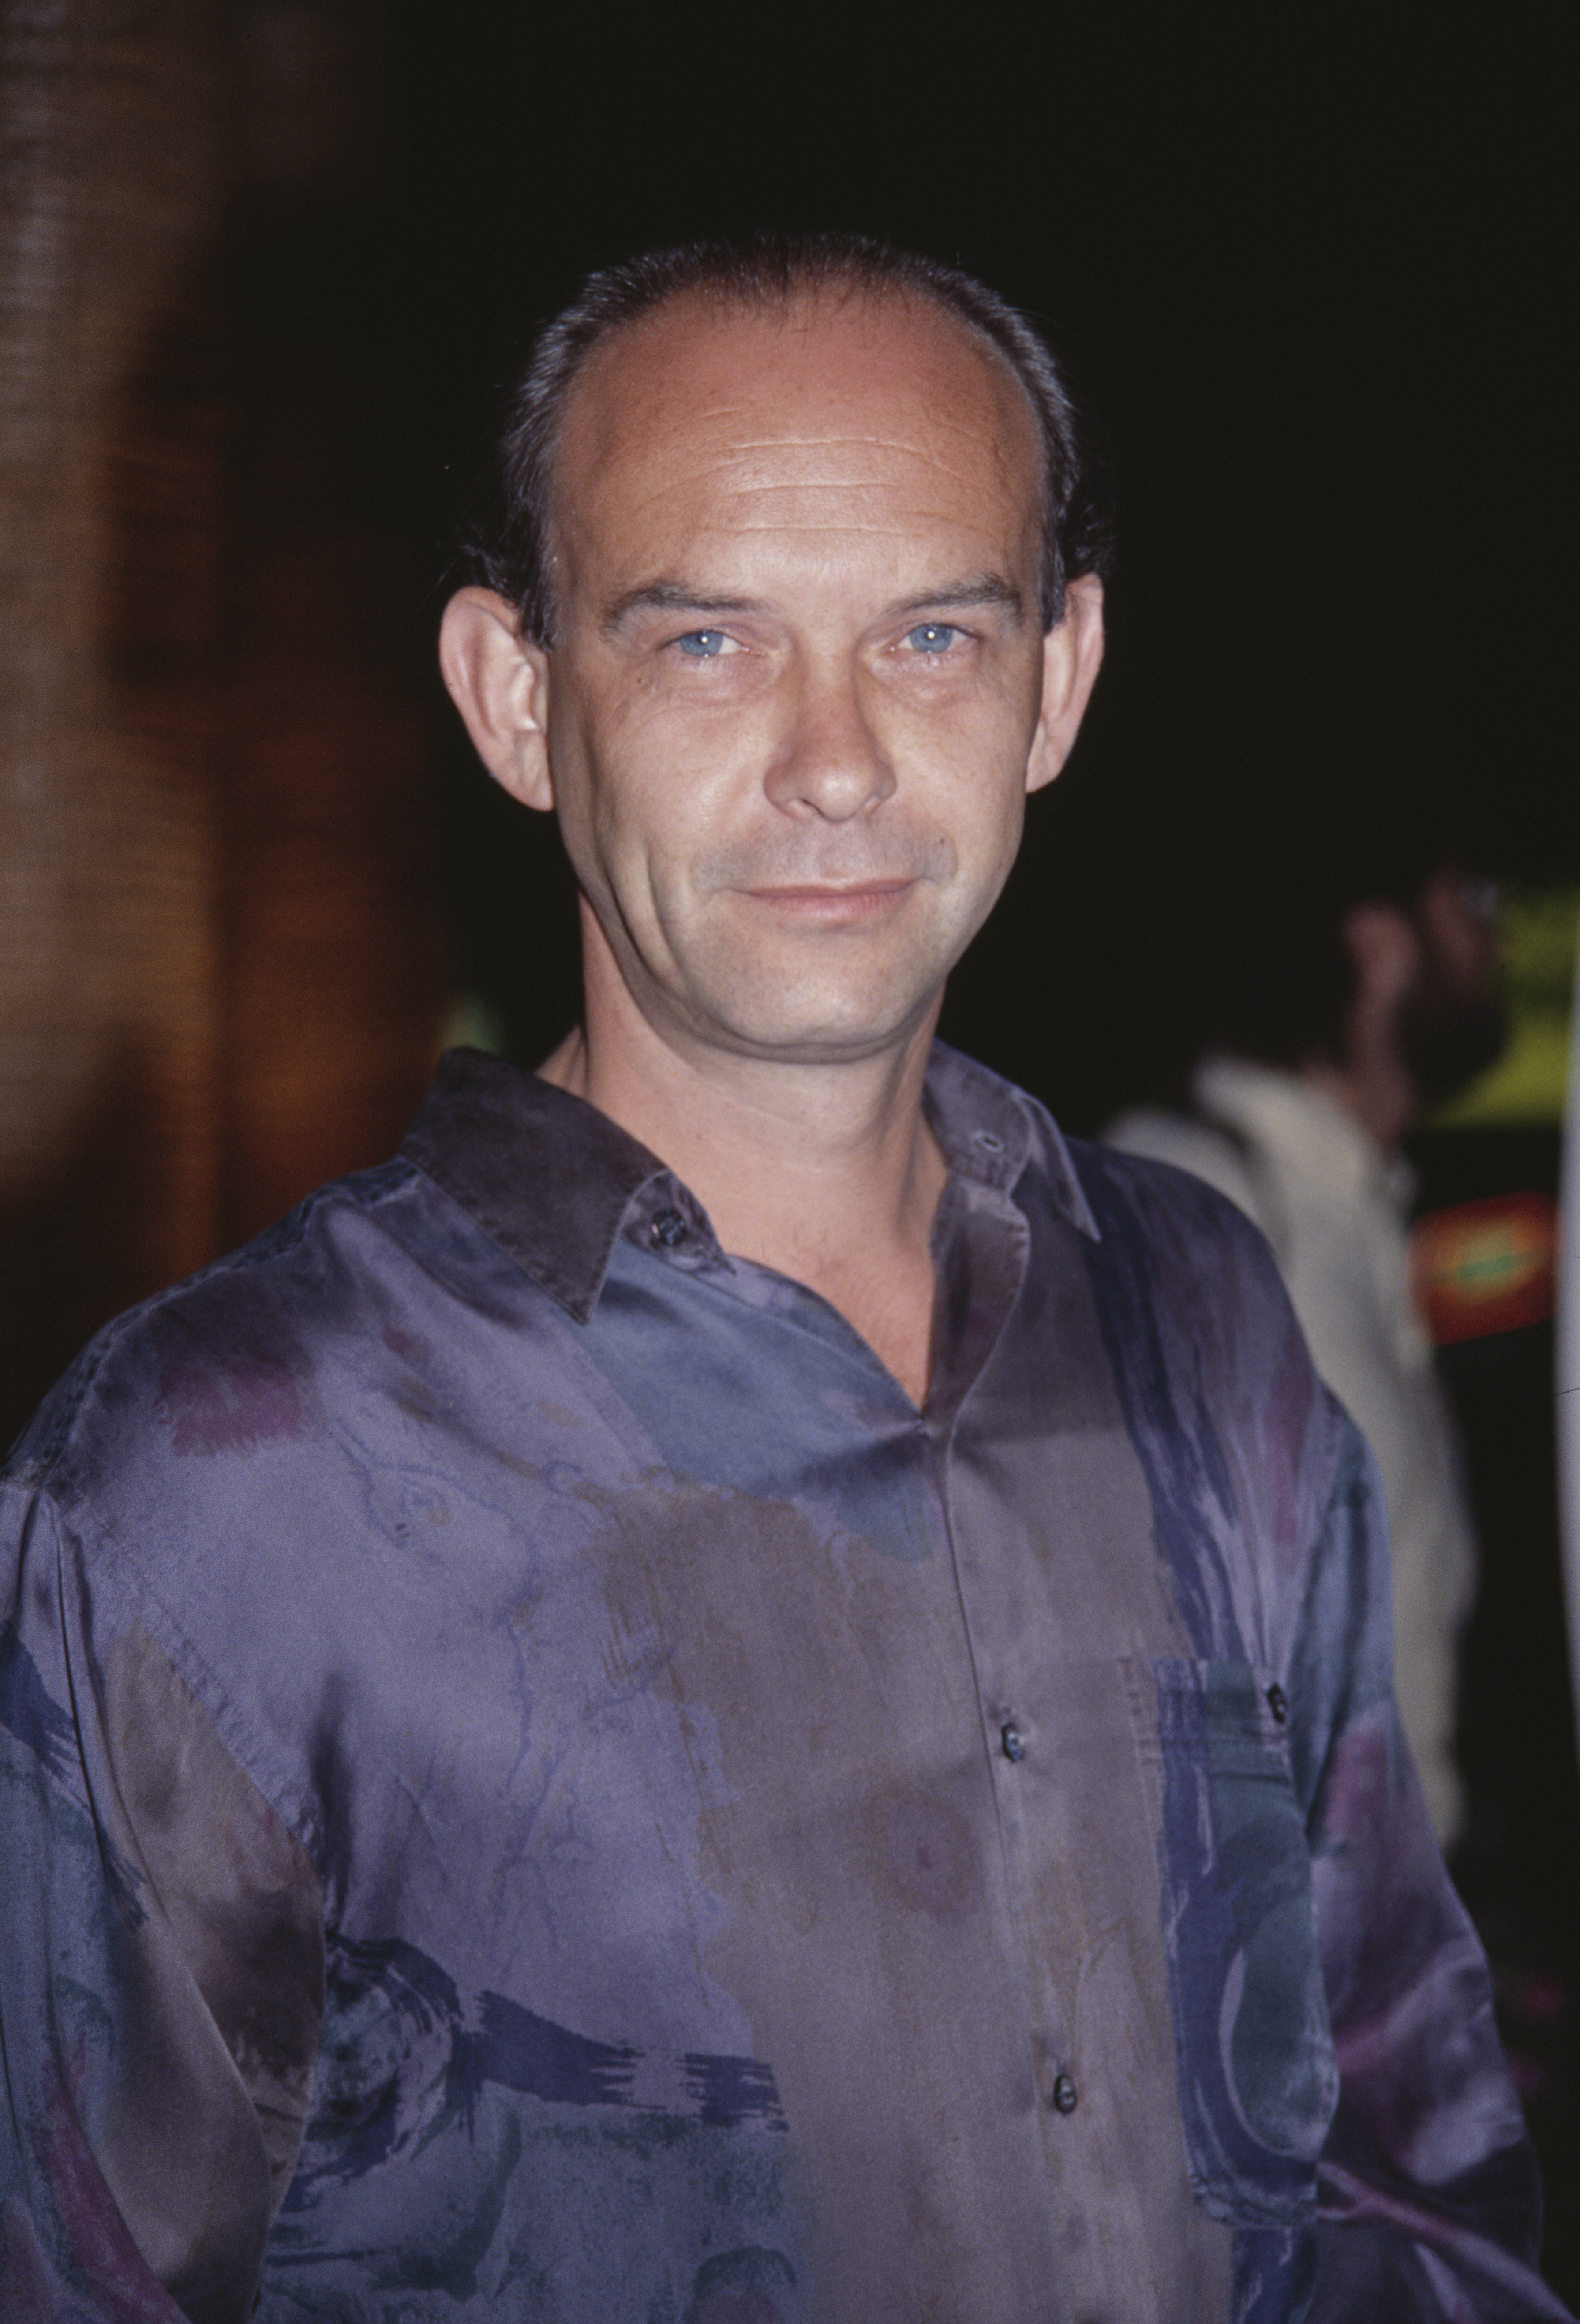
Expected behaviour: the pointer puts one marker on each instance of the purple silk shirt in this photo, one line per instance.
(537, 1785)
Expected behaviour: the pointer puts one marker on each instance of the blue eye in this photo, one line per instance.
(932, 637)
(703, 645)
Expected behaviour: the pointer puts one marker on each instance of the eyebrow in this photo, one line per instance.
(672, 597)
(976, 589)
(680, 597)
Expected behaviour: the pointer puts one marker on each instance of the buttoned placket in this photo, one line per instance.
(981, 1244)
(984, 1239)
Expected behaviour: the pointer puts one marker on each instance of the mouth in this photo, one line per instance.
(832, 906)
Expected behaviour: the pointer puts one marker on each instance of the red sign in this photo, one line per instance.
(1485, 1266)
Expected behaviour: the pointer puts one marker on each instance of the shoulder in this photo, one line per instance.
(1164, 1210)
(226, 1361)
(1243, 1444)
(1153, 1193)
(1176, 1267)
(1173, 1246)
(1207, 1150)
(1136, 1211)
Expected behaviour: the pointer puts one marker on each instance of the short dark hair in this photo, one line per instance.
(505, 544)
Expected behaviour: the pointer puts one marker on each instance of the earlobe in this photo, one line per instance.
(500, 685)
(1072, 655)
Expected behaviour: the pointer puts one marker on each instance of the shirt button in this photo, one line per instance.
(1278, 1702)
(667, 1228)
(1011, 1742)
(1065, 2097)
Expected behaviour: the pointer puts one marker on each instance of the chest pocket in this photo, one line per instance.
(1258, 2077)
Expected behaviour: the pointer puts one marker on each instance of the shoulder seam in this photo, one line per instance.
(374, 1185)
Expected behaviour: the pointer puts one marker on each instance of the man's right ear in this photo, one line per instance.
(500, 686)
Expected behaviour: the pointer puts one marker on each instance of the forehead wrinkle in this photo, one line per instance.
(771, 509)
(764, 489)
(817, 528)
(643, 448)
(782, 440)
(854, 440)
(718, 467)
(992, 430)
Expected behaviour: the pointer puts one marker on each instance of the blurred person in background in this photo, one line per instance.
(1349, 1003)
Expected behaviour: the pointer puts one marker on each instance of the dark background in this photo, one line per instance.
(1310, 271)
(1306, 271)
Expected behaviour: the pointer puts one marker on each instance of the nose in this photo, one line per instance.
(827, 762)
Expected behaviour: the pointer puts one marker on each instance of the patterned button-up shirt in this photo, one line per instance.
(539, 1784)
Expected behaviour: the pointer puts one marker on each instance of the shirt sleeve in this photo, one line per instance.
(1429, 2203)
(161, 1974)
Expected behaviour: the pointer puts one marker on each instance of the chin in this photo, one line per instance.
(849, 1004)
(819, 1028)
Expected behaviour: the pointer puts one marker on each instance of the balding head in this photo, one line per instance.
(510, 547)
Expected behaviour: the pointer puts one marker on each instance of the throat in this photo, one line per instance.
(873, 1262)
(830, 1176)
(891, 1305)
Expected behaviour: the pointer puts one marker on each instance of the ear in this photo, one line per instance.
(1072, 655)
(500, 686)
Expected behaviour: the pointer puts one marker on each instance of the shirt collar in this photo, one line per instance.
(554, 1182)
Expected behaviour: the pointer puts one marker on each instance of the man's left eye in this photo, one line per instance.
(932, 637)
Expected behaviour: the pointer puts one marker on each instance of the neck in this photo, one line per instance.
(827, 1173)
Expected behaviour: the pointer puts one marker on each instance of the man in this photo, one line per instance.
(1374, 1003)
(741, 1688)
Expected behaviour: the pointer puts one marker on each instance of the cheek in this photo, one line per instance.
(647, 805)
(998, 842)
(984, 723)
(666, 771)
(972, 783)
